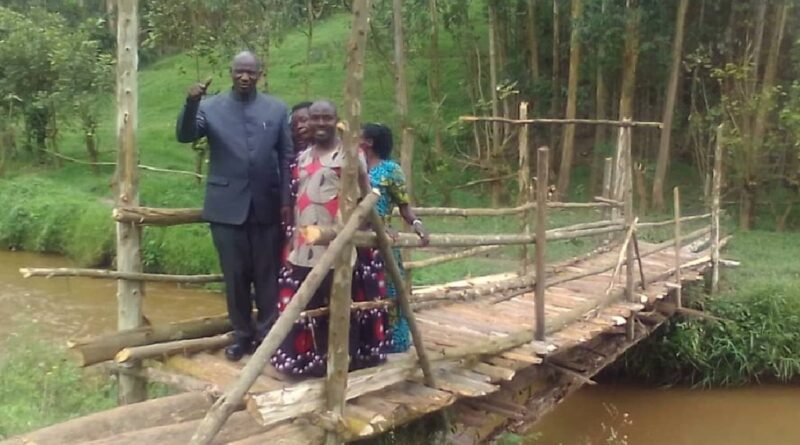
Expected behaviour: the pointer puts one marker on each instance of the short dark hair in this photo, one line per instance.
(381, 136)
(301, 105)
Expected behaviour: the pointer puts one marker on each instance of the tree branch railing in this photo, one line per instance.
(544, 121)
(151, 216)
(475, 245)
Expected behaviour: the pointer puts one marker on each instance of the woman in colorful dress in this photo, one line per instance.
(317, 175)
(387, 176)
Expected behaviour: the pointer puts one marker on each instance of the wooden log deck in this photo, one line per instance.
(478, 346)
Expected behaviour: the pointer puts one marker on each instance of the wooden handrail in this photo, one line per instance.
(622, 123)
(153, 216)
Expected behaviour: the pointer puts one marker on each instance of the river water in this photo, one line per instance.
(60, 308)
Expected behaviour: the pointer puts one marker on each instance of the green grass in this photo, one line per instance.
(40, 386)
(761, 342)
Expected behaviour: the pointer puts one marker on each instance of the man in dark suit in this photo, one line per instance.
(247, 192)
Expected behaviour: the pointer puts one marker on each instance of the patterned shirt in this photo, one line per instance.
(388, 177)
(318, 181)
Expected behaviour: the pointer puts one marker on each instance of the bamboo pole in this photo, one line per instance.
(227, 404)
(403, 297)
(622, 123)
(172, 348)
(132, 389)
(715, 196)
(432, 261)
(524, 183)
(29, 272)
(677, 204)
(542, 170)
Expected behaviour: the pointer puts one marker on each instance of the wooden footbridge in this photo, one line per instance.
(500, 350)
(491, 352)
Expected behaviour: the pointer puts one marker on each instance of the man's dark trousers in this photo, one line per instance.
(249, 253)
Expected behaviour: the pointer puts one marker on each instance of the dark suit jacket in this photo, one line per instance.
(250, 152)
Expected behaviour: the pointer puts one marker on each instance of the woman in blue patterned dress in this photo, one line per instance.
(387, 176)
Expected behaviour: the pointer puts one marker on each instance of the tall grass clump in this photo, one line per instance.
(758, 342)
(42, 216)
(39, 387)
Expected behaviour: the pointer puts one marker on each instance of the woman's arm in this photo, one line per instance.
(411, 218)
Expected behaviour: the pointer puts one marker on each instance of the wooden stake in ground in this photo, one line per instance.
(568, 136)
(715, 196)
(341, 290)
(542, 170)
(129, 292)
(227, 404)
(677, 203)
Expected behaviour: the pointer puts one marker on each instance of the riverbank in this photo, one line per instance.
(759, 342)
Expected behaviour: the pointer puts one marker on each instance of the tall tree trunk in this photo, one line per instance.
(601, 105)
(495, 149)
(758, 39)
(568, 142)
(629, 59)
(533, 41)
(555, 102)
(436, 79)
(669, 108)
(401, 94)
(766, 100)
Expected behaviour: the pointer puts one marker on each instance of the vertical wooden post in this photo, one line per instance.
(608, 213)
(340, 301)
(715, 196)
(677, 203)
(403, 296)
(542, 170)
(524, 182)
(129, 293)
(629, 221)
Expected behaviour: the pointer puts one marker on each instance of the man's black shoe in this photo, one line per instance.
(238, 349)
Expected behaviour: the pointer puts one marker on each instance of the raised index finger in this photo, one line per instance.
(207, 83)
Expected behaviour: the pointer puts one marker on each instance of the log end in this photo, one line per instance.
(26, 272)
(116, 214)
(252, 408)
(123, 356)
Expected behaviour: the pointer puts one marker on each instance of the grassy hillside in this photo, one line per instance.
(65, 210)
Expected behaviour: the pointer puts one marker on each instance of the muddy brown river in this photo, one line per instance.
(59, 308)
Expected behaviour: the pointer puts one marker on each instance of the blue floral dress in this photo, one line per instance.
(387, 176)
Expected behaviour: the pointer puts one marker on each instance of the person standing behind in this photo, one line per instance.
(387, 176)
(301, 137)
(247, 192)
(304, 351)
